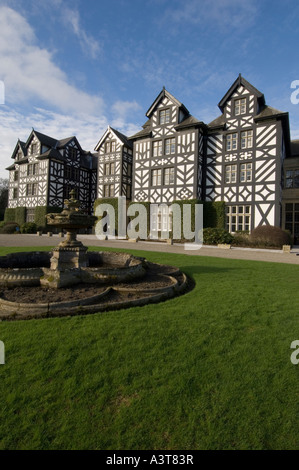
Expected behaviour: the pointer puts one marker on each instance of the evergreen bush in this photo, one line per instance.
(29, 227)
(268, 235)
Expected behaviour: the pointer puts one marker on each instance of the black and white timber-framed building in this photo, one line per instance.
(45, 170)
(244, 157)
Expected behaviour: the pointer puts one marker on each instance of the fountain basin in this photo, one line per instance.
(34, 269)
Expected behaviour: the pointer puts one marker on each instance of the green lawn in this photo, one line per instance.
(207, 370)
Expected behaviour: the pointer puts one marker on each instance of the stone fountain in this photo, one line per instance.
(70, 256)
(71, 280)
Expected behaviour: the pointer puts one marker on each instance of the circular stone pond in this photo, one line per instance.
(108, 281)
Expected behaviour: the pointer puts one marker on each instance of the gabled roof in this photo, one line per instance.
(43, 138)
(63, 142)
(190, 121)
(268, 112)
(294, 148)
(123, 138)
(51, 153)
(161, 95)
(238, 82)
(146, 132)
(218, 123)
(11, 167)
(22, 146)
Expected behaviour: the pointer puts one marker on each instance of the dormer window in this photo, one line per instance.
(164, 116)
(33, 149)
(240, 107)
(19, 155)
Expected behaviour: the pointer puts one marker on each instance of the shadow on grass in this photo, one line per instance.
(191, 270)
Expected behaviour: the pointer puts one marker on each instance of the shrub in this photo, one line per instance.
(268, 235)
(213, 236)
(241, 238)
(10, 227)
(29, 227)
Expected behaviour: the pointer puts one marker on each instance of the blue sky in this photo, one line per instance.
(73, 66)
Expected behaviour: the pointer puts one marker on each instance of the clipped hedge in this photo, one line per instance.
(214, 214)
(20, 215)
(9, 215)
(41, 212)
(17, 215)
(213, 236)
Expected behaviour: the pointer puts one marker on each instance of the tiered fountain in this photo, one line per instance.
(100, 280)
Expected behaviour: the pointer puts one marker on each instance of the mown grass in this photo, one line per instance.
(207, 370)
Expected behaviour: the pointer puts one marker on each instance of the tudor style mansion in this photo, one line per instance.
(244, 157)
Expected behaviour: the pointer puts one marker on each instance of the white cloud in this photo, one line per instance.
(14, 125)
(120, 111)
(29, 72)
(89, 45)
(220, 13)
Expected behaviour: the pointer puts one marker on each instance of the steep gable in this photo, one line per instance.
(113, 134)
(164, 114)
(19, 151)
(239, 88)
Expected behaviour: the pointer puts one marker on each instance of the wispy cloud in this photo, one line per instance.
(88, 43)
(219, 13)
(14, 125)
(29, 72)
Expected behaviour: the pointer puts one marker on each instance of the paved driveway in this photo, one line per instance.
(276, 256)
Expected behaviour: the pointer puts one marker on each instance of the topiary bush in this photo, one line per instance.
(213, 236)
(29, 227)
(10, 227)
(268, 235)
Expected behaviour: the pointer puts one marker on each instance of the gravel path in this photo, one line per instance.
(276, 256)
